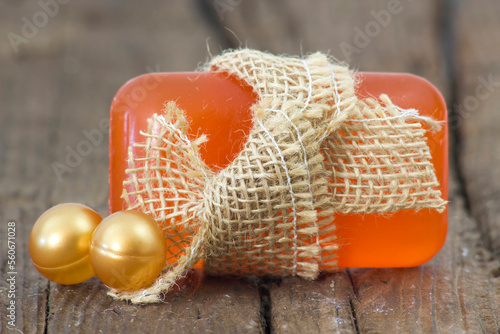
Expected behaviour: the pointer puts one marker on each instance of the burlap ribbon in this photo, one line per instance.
(315, 149)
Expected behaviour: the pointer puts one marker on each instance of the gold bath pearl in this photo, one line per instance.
(128, 250)
(59, 243)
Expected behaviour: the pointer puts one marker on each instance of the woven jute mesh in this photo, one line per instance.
(315, 149)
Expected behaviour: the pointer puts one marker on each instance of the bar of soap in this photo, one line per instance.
(219, 105)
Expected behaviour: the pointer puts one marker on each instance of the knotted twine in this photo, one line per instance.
(314, 149)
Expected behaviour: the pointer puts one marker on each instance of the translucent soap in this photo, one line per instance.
(218, 105)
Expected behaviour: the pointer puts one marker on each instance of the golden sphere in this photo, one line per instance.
(59, 243)
(128, 250)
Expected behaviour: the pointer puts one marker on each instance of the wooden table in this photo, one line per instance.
(60, 70)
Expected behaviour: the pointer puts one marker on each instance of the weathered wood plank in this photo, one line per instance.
(320, 306)
(21, 284)
(58, 87)
(28, 107)
(476, 113)
(476, 119)
(202, 305)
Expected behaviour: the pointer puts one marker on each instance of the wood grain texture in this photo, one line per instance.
(55, 92)
(477, 69)
(211, 305)
(26, 139)
(320, 306)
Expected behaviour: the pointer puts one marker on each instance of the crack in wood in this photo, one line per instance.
(354, 316)
(351, 302)
(265, 305)
(47, 310)
(354, 289)
(208, 12)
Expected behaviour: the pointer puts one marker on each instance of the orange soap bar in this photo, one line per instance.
(219, 106)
